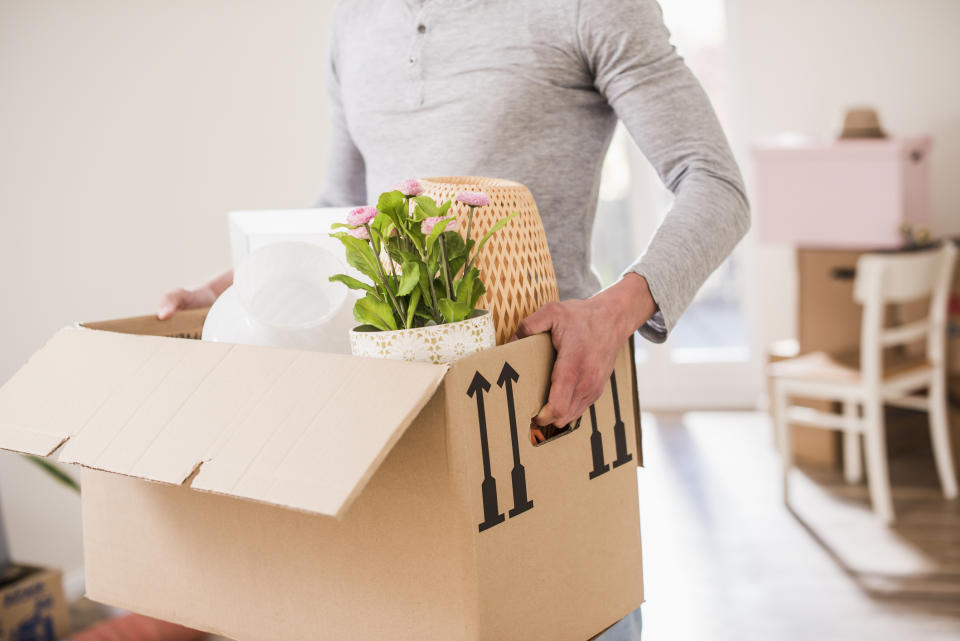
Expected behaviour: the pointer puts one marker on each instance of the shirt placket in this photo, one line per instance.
(415, 79)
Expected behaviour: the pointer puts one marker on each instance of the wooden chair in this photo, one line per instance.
(879, 374)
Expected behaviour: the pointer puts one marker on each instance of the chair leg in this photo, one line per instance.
(940, 437)
(852, 460)
(783, 433)
(878, 478)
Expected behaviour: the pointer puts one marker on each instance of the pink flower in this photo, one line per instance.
(474, 198)
(429, 223)
(359, 232)
(362, 215)
(409, 187)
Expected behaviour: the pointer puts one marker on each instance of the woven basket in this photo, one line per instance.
(515, 264)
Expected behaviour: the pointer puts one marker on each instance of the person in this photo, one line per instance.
(531, 90)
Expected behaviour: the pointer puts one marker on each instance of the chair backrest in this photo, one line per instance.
(884, 279)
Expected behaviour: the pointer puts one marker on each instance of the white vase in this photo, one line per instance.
(434, 344)
(282, 297)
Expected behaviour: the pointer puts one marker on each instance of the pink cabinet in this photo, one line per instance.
(854, 194)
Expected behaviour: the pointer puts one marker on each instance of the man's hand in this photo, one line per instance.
(204, 296)
(588, 335)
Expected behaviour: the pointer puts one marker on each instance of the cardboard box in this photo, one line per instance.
(32, 606)
(277, 494)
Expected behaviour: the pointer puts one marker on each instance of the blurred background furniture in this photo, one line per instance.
(833, 201)
(849, 194)
(885, 371)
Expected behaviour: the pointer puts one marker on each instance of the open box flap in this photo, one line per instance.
(299, 429)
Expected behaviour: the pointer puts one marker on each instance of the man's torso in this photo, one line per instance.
(474, 87)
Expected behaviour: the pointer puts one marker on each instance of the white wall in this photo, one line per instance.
(797, 65)
(127, 131)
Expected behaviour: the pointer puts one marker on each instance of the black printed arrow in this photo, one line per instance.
(619, 430)
(488, 488)
(596, 446)
(509, 376)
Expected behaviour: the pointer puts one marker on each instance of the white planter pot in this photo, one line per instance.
(435, 344)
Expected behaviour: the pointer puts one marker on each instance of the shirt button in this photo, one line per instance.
(421, 28)
(412, 60)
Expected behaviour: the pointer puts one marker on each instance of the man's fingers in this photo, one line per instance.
(170, 303)
(185, 299)
(572, 394)
(540, 321)
(563, 382)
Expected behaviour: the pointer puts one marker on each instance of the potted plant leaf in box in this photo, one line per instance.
(420, 296)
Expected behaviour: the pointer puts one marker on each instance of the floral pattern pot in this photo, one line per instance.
(434, 344)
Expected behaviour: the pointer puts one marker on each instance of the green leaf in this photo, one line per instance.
(479, 289)
(390, 203)
(402, 256)
(454, 241)
(444, 208)
(436, 231)
(391, 284)
(409, 278)
(456, 251)
(416, 236)
(358, 253)
(374, 312)
(352, 283)
(497, 226)
(453, 311)
(359, 256)
(426, 205)
(412, 304)
(55, 472)
(386, 229)
(340, 225)
(463, 288)
(358, 262)
(380, 221)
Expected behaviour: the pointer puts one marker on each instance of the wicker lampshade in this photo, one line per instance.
(515, 264)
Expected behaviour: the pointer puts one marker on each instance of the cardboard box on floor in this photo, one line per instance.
(269, 494)
(32, 606)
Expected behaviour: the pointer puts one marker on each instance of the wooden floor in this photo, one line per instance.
(724, 560)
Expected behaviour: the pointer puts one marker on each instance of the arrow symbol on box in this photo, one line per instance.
(488, 487)
(509, 376)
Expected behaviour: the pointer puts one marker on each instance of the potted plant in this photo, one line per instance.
(423, 284)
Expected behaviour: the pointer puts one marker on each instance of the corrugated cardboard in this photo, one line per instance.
(276, 494)
(32, 607)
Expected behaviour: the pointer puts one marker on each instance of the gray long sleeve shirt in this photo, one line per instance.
(531, 90)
